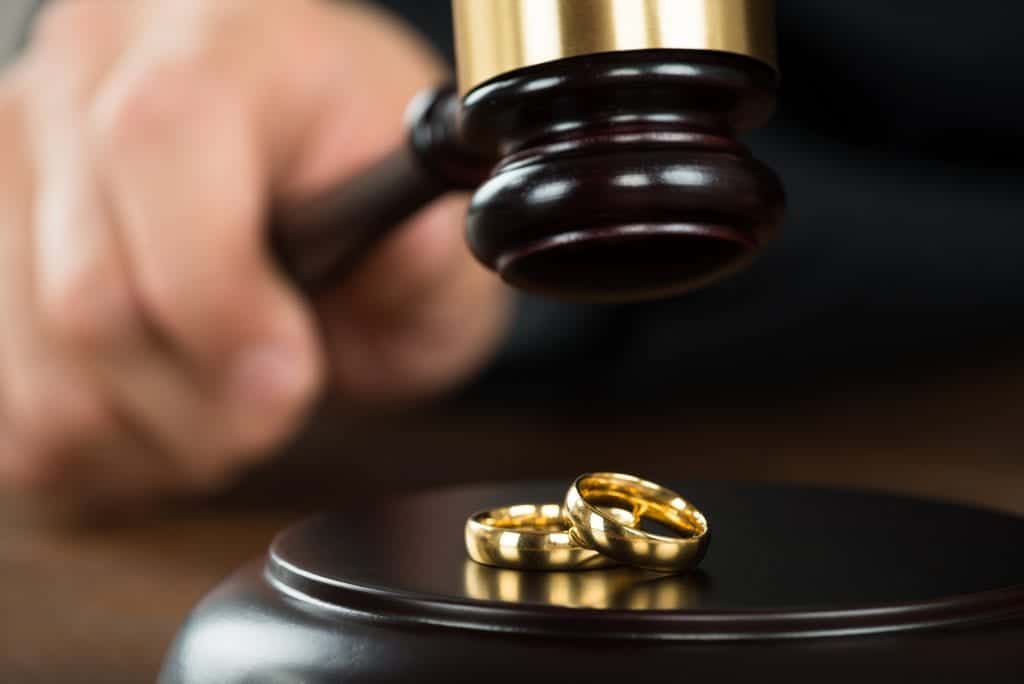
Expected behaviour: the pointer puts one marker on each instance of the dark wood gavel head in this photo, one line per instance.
(620, 174)
(600, 138)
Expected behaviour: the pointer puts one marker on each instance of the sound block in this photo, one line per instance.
(799, 583)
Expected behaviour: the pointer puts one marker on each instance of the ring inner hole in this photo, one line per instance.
(530, 522)
(539, 522)
(649, 515)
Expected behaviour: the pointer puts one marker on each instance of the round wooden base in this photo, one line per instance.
(798, 583)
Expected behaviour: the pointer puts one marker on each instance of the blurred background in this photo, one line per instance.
(899, 138)
(883, 328)
(877, 344)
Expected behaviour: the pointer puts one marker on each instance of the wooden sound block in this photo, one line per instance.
(799, 583)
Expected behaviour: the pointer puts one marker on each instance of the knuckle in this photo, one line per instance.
(54, 422)
(168, 302)
(49, 430)
(87, 308)
(257, 422)
(85, 419)
(257, 440)
(152, 102)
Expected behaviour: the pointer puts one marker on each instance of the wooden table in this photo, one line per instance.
(101, 604)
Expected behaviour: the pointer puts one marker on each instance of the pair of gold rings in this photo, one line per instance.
(597, 526)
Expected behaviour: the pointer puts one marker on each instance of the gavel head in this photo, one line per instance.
(615, 123)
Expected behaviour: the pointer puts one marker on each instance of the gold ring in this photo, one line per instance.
(530, 537)
(585, 507)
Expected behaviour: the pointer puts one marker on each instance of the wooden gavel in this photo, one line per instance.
(600, 139)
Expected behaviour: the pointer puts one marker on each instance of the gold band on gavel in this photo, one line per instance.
(493, 37)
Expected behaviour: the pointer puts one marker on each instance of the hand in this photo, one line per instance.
(149, 343)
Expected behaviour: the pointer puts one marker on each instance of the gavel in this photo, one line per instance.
(600, 140)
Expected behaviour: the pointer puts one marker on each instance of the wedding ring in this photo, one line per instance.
(585, 507)
(530, 537)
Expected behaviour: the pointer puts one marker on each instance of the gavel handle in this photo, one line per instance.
(320, 241)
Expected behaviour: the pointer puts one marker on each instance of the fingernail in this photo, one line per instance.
(271, 374)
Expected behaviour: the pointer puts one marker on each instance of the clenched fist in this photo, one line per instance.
(149, 344)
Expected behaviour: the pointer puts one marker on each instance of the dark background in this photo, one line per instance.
(899, 137)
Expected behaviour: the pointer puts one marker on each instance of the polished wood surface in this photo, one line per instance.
(102, 603)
